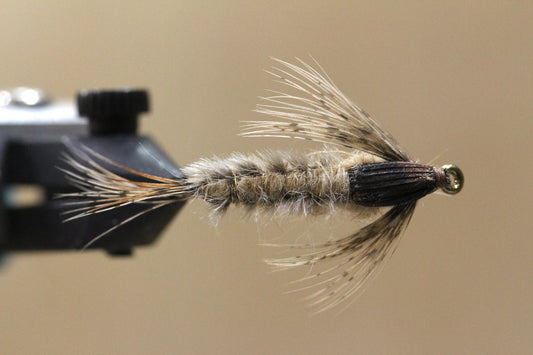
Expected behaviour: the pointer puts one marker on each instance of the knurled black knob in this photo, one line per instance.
(112, 111)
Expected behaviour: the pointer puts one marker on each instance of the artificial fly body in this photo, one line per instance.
(362, 169)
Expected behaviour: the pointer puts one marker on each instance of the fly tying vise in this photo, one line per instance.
(361, 169)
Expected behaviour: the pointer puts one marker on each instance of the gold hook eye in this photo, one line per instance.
(455, 177)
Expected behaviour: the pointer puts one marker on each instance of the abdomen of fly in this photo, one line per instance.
(283, 183)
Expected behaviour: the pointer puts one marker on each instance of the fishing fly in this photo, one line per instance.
(360, 169)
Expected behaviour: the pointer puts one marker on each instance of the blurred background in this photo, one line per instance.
(451, 81)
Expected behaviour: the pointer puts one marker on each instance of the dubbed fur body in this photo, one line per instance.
(277, 182)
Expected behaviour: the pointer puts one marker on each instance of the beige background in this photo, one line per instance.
(452, 81)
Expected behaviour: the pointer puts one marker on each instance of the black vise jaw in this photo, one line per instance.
(33, 133)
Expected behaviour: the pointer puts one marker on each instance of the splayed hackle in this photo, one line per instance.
(319, 112)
